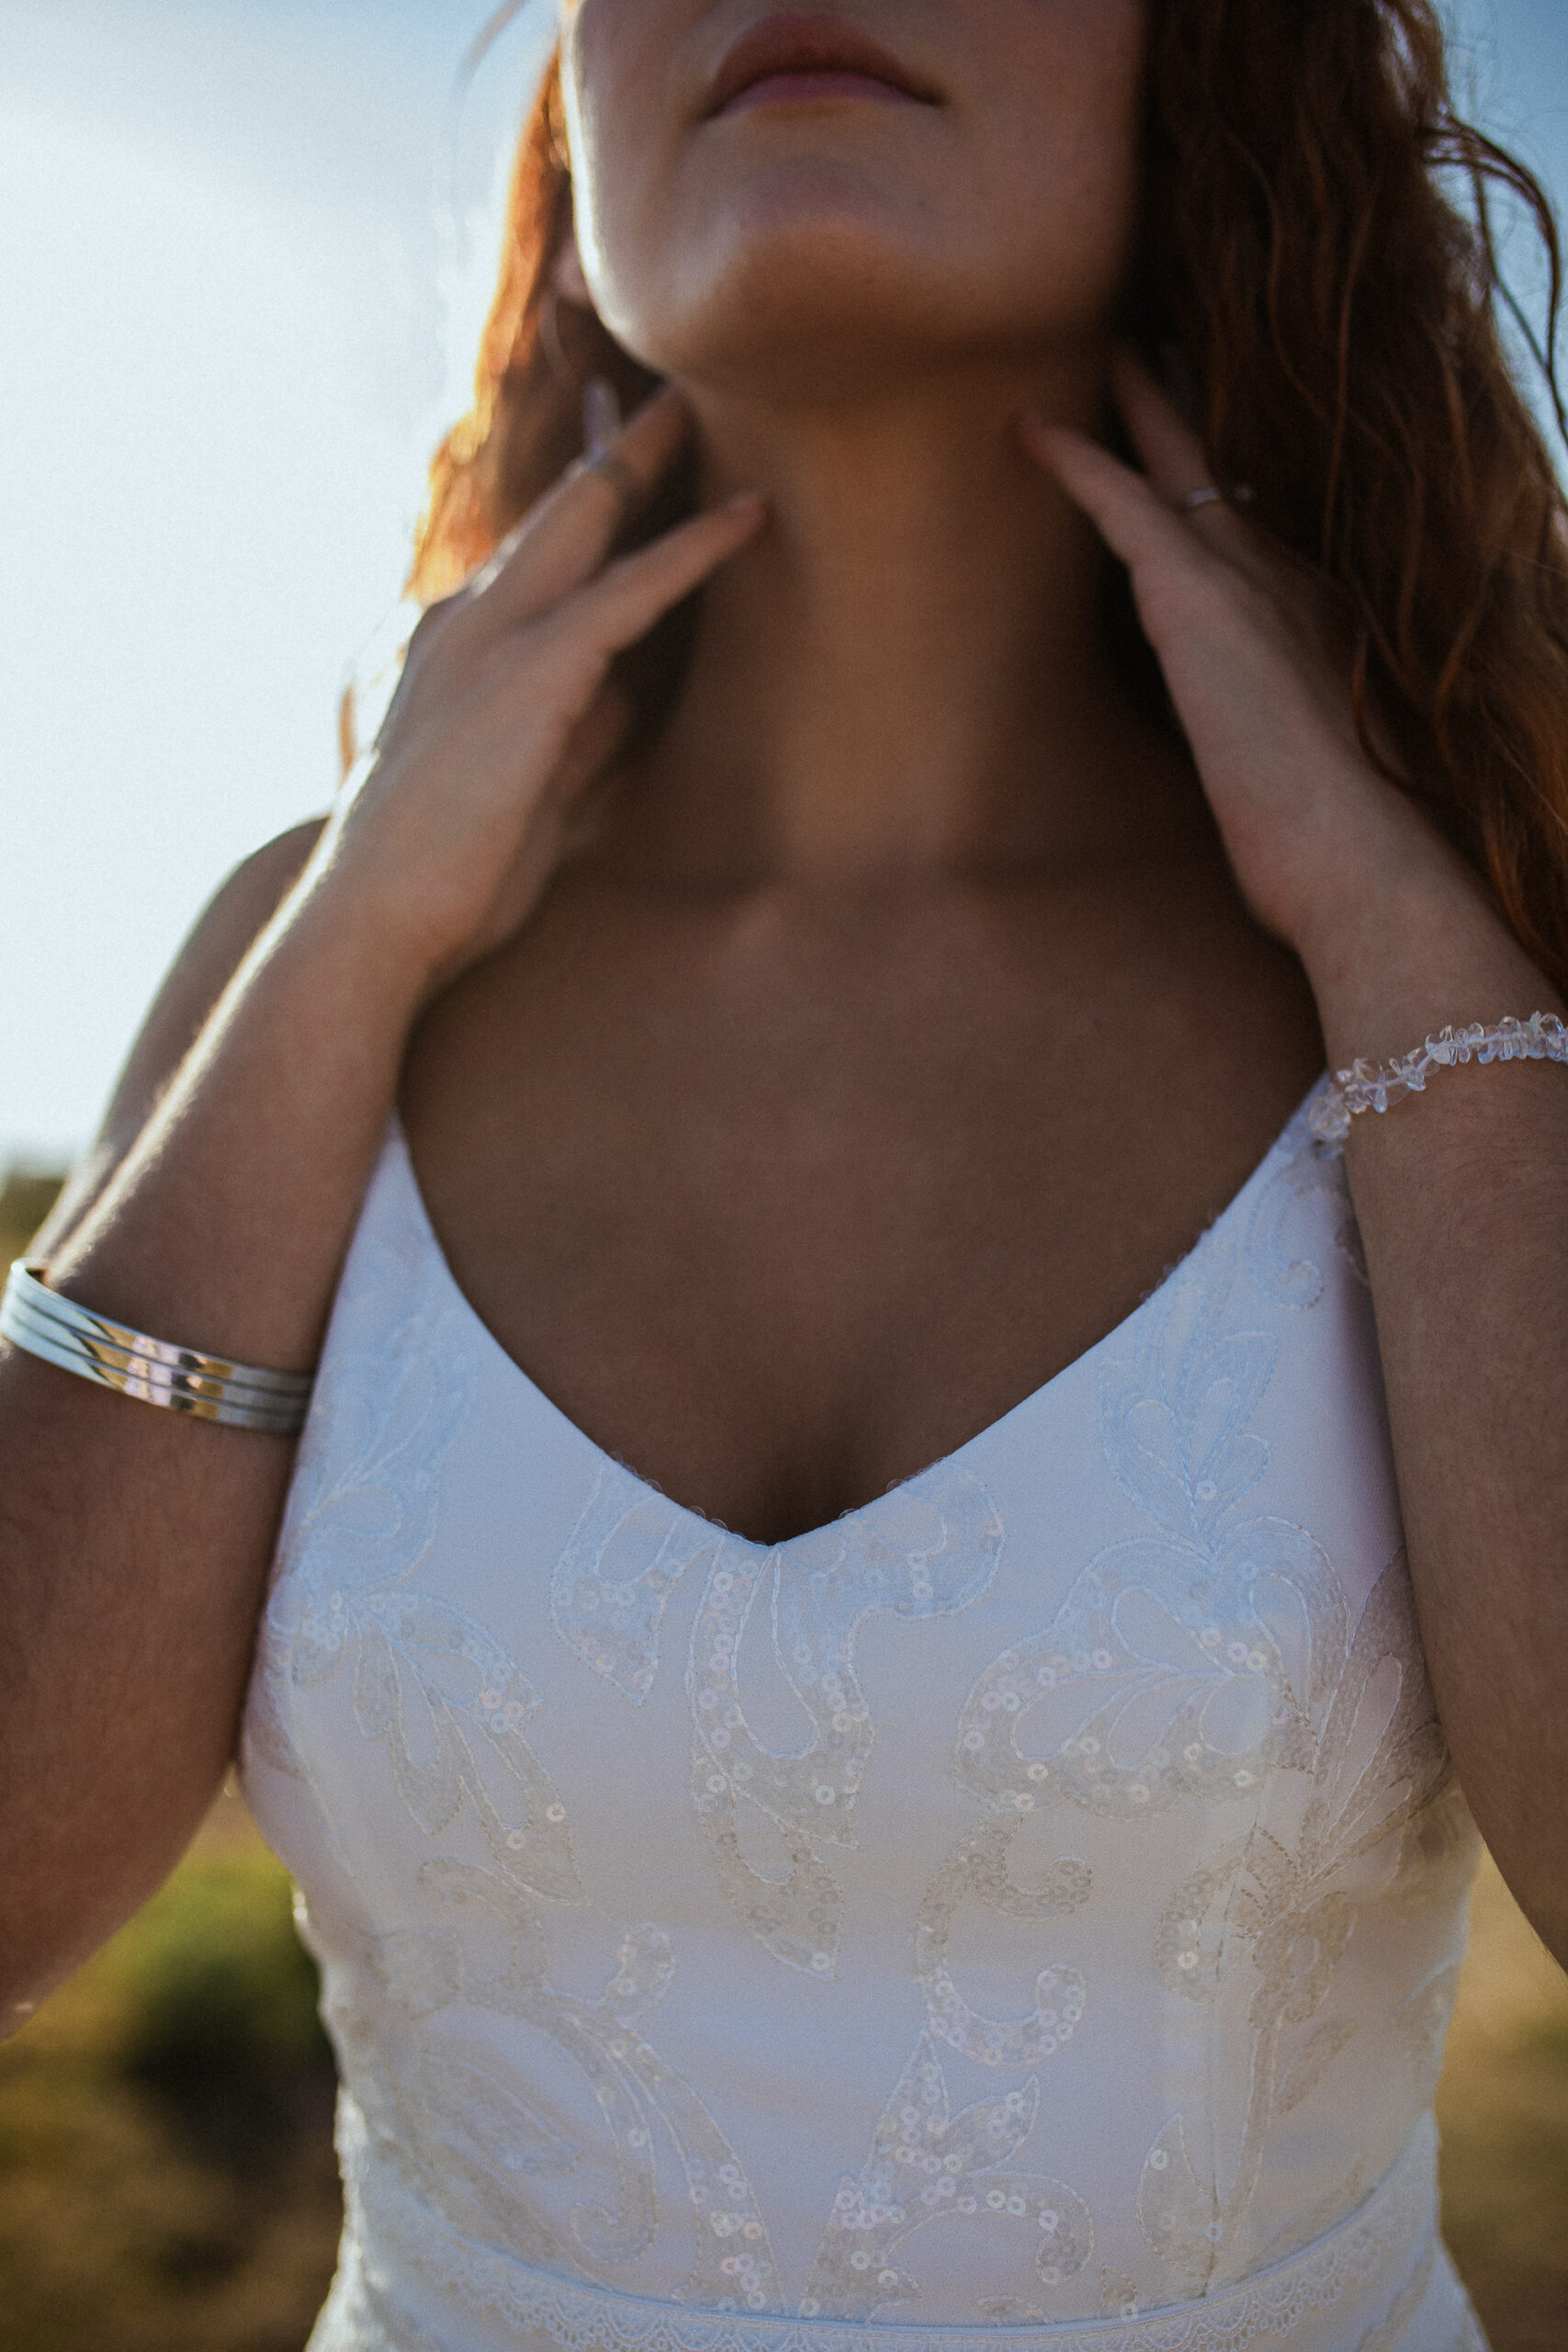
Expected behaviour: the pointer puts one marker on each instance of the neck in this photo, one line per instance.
(904, 677)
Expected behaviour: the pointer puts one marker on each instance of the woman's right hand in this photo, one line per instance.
(445, 837)
(223, 1195)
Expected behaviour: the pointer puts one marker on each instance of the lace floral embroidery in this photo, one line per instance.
(933, 1550)
(467, 2148)
(428, 1680)
(1208, 1665)
(928, 2165)
(448, 1703)
(1289, 1914)
(1304, 1180)
(1384, 2236)
(1422, 2026)
(1190, 1665)
(977, 1871)
(930, 1549)
(1185, 1665)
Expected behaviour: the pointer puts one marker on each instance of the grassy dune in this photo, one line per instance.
(166, 2174)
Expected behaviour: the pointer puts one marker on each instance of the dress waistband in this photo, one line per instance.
(393, 2233)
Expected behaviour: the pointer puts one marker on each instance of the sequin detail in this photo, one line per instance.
(1287, 1914)
(929, 1550)
(1383, 2236)
(439, 1694)
(1183, 1665)
(467, 2148)
(928, 2165)
(429, 1680)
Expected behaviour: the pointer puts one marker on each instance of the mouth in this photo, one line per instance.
(788, 59)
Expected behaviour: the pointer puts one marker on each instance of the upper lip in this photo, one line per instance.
(803, 44)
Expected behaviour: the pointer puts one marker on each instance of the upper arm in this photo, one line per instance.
(222, 938)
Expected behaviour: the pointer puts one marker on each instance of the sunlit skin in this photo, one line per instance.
(858, 299)
(893, 1025)
(879, 895)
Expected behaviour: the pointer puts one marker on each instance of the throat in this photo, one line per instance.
(906, 674)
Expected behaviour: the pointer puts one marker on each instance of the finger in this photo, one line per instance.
(550, 673)
(1177, 461)
(563, 541)
(1175, 458)
(565, 538)
(1136, 523)
(612, 611)
(593, 744)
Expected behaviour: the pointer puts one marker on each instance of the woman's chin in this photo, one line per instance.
(808, 295)
(813, 351)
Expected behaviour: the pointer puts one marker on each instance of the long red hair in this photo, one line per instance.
(1318, 243)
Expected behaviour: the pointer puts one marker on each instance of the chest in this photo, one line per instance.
(780, 1210)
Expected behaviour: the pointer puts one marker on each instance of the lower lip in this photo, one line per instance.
(794, 89)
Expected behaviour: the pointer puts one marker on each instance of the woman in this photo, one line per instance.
(1033, 1907)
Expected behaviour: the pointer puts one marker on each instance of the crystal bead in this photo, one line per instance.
(1369, 1086)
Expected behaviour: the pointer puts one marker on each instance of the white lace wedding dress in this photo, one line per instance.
(1024, 1913)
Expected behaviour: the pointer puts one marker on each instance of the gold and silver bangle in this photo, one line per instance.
(182, 1380)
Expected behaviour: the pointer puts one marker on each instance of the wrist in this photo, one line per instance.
(1409, 947)
(340, 939)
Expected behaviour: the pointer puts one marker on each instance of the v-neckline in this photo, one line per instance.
(714, 1530)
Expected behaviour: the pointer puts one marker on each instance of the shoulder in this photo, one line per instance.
(223, 934)
(236, 914)
(265, 879)
(218, 944)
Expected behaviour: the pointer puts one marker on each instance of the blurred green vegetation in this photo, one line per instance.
(219, 2009)
(25, 1202)
(166, 2174)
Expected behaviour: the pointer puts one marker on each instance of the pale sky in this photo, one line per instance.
(231, 326)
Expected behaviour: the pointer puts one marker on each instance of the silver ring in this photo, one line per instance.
(1210, 495)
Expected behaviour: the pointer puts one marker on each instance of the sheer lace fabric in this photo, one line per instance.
(1024, 1913)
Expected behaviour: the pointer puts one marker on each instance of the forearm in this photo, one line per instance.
(226, 1222)
(133, 1544)
(1461, 1197)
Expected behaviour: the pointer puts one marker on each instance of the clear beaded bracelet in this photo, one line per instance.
(1373, 1086)
(183, 1380)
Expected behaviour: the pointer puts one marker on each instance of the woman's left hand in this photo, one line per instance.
(1245, 636)
(1459, 1196)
